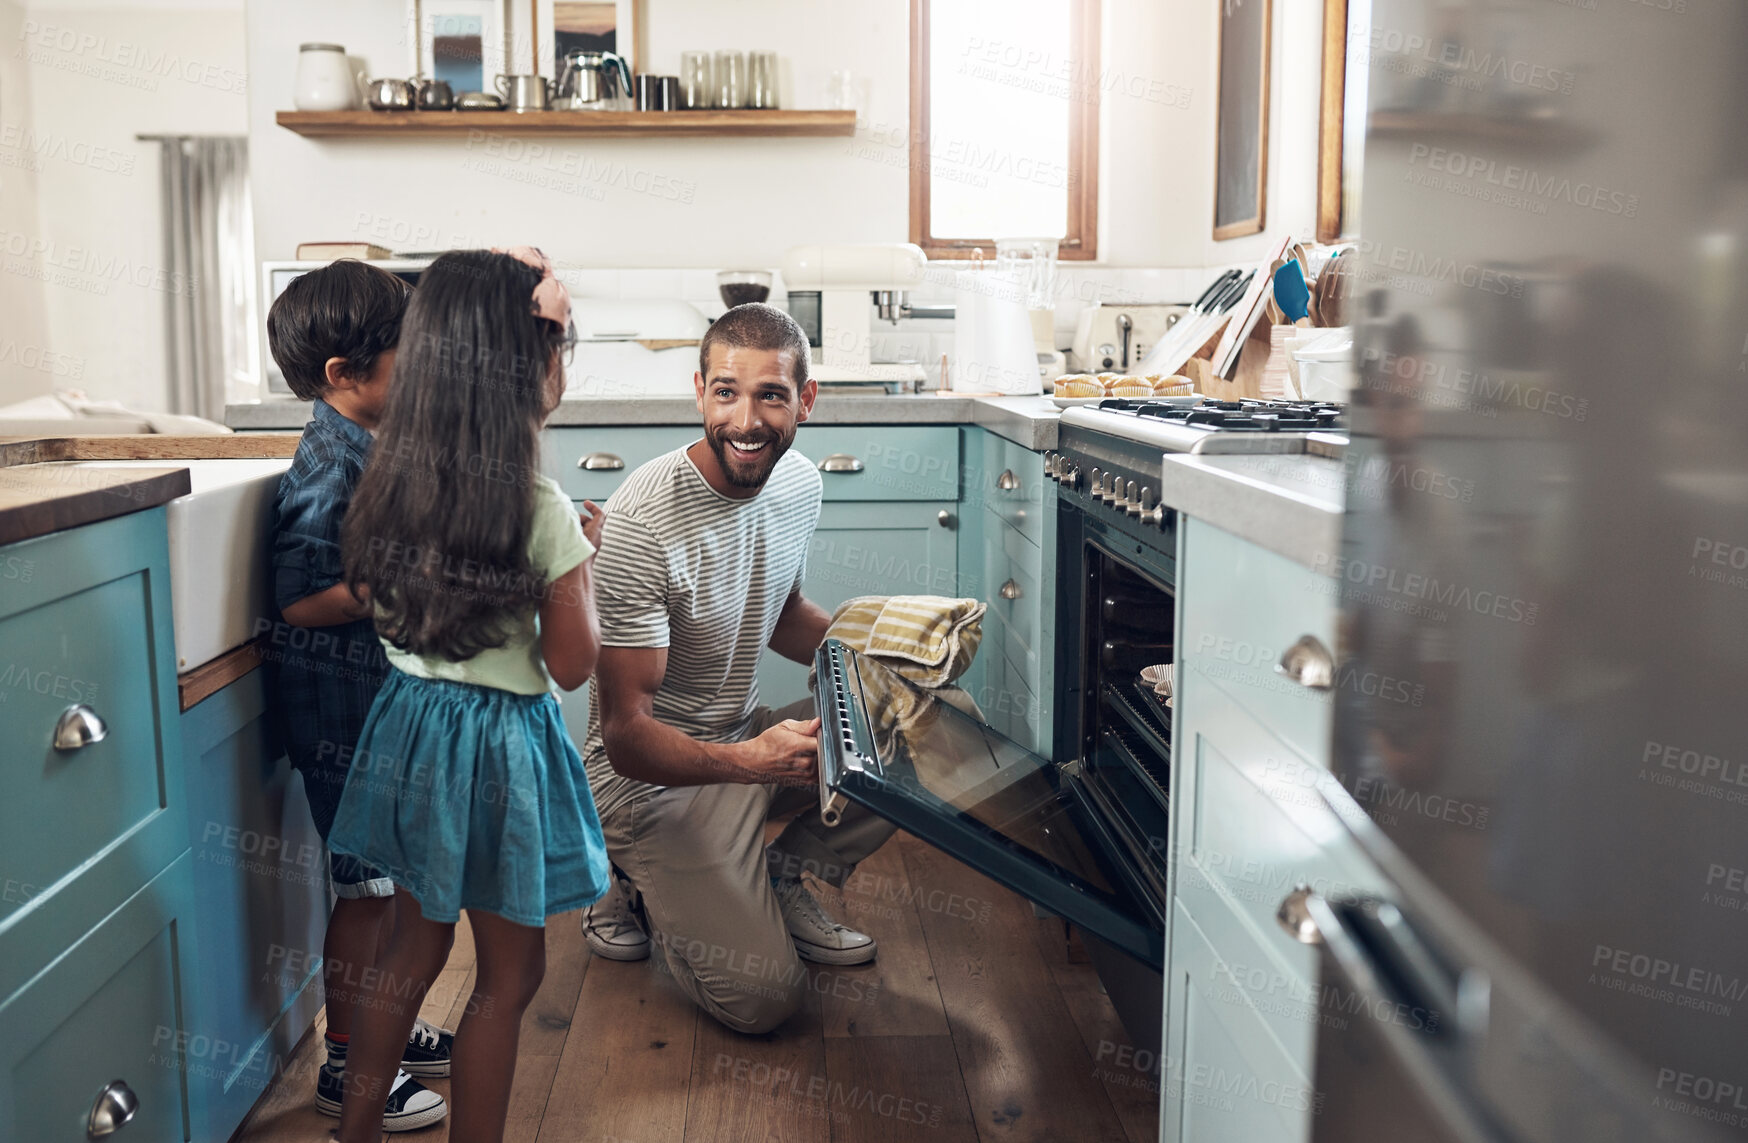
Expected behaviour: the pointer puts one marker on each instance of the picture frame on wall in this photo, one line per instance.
(1242, 131)
(1342, 118)
(592, 25)
(463, 42)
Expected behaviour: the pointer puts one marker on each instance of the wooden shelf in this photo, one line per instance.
(612, 124)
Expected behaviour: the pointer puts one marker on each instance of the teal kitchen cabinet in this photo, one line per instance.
(1243, 1001)
(95, 876)
(260, 903)
(1007, 559)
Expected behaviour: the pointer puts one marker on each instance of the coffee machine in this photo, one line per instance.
(837, 291)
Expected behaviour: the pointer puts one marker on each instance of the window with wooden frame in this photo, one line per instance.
(1004, 124)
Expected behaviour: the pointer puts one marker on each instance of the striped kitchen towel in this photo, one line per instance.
(928, 639)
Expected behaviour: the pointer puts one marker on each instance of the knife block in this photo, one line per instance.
(1246, 379)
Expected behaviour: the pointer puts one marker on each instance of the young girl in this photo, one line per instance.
(466, 790)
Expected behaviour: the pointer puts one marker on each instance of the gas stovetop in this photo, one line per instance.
(1246, 426)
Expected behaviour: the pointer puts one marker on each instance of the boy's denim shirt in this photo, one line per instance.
(327, 676)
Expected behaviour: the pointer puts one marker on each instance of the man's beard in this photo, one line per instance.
(750, 472)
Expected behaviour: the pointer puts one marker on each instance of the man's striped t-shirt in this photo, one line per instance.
(706, 576)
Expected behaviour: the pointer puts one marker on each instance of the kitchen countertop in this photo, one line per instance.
(1289, 504)
(1028, 421)
(36, 499)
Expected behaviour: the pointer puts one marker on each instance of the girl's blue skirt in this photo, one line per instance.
(471, 797)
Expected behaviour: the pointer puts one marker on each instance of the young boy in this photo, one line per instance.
(333, 332)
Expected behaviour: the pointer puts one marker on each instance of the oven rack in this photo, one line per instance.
(1152, 771)
(1146, 716)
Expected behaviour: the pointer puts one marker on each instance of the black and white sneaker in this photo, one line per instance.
(428, 1048)
(411, 1105)
(613, 927)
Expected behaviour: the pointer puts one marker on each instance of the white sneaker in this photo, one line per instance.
(817, 937)
(612, 927)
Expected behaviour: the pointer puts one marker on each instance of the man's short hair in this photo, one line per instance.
(757, 326)
(344, 309)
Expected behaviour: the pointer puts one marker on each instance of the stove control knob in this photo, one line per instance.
(1131, 501)
(1071, 475)
(1151, 513)
(1050, 465)
(1114, 491)
(1095, 484)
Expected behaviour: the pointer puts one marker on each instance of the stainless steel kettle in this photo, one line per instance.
(592, 81)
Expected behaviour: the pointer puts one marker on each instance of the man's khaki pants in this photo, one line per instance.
(697, 855)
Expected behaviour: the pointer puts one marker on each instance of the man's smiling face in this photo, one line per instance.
(751, 407)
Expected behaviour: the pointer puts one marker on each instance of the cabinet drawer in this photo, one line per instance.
(1013, 564)
(911, 462)
(1225, 1077)
(1022, 503)
(1242, 607)
(91, 628)
(564, 449)
(109, 1009)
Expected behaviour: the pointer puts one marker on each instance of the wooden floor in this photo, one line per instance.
(978, 1022)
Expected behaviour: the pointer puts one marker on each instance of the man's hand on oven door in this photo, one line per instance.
(787, 754)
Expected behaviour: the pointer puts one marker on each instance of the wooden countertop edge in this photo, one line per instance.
(55, 508)
(212, 677)
(148, 446)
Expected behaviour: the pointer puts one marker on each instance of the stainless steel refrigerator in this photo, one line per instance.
(1547, 539)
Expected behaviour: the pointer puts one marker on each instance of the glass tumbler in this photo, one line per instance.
(697, 89)
(731, 79)
(762, 79)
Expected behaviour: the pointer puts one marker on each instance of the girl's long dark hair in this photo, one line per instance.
(438, 528)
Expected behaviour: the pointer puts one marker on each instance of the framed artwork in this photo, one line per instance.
(591, 25)
(463, 42)
(1242, 135)
(1341, 133)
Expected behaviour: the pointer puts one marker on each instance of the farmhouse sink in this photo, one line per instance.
(219, 582)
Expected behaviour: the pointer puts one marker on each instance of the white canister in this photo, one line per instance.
(993, 350)
(325, 81)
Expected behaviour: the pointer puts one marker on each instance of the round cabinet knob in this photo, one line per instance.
(1007, 481)
(79, 726)
(1296, 919)
(841, 462)
(1010, 590)
(945, 518)
(1308, 663)
(116, 1104)
(601, 462)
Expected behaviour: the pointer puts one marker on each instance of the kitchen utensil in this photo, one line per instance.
(649, 93)
(738, 287)
(434, 95)
(478, 101)
(993, 347)
(1248, 312)
(762, 80)
(1336, 284)
(524, 92)
(593, 81)
(1193, 330)
(731, 79)
(1291, 294)
(697, 88)
(391, 95)
(670, 92)
(325, 80)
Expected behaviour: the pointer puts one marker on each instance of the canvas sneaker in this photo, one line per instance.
(428, 1049)
(411, 1105)
(613, 927)
(817, 937)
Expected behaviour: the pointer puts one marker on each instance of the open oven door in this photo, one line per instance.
(931, 768)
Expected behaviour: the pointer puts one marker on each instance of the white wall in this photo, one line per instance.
(96, 76)
(27, 359)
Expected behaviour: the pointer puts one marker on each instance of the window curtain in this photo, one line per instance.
(211, 317)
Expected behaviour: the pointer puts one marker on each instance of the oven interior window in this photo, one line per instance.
(1129, 622)
(931, 750)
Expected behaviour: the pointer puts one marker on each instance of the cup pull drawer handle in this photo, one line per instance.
(79, 726)
(1010, 590)
(1308, 663)
(116, 1104)
(841, 462)
(601, 462)
(1295, 917)
(1007, 481)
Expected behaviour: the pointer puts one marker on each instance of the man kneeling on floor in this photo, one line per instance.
(700, 570)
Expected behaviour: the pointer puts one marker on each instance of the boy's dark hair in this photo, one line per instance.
(756, 325)
(345, 309)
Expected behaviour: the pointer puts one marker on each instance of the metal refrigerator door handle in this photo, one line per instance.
(79, 726)
(1308, 663)
(601, 462)
(841, 462)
